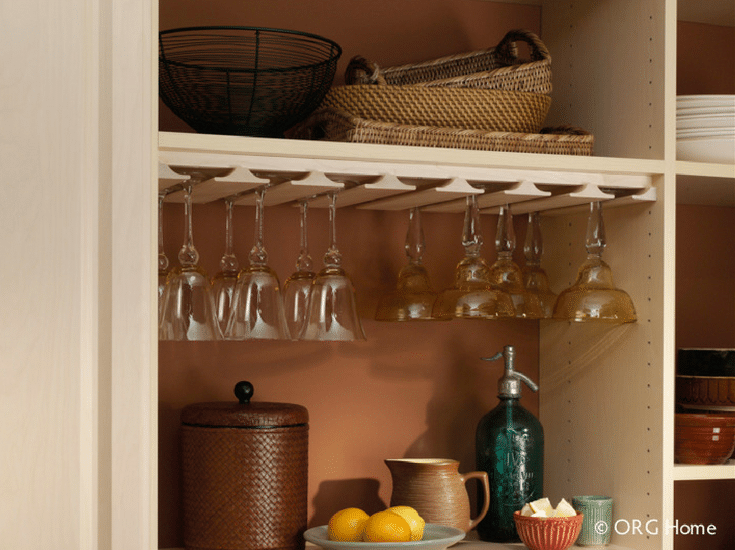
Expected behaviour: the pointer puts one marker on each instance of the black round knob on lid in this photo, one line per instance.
(244, 392)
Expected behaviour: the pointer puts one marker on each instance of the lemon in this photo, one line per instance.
(541, 507)
(347, 525)
(386, 526)
(415, 521)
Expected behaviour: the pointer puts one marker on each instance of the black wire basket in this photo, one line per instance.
(244, 80)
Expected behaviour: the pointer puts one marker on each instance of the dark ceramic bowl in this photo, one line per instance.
(711, 393)
(706, 362)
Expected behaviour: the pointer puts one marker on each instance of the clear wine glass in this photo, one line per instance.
(297, 287)
(163, 261)
(593, 296)
(257, 305)
(413, 298)
(224, 281)
(332, 305)
(473, 296)
(535, 278)
(505, 273)
(188, 311)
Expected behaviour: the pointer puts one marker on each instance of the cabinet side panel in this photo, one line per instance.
(608, 72)
(601, 400)
(46, 459)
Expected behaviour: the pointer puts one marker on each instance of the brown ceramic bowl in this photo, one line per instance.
(548, 533)
(703, 438)
(713, 393)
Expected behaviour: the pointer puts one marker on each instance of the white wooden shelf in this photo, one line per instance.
(692, 472)
(435, 179)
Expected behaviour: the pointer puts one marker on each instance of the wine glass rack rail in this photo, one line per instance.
(401, 184)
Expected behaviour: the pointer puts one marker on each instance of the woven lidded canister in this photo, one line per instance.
(245, 474)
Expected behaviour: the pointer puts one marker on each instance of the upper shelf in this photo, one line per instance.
(395, 178)
(712, 12)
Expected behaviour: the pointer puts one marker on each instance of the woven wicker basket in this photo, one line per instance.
(244, 475)
(334, 125)
(497, 68)
(496, 110)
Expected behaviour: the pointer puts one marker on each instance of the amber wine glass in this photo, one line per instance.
(505, 273)
(535, 278)
(594, 296)
(413, 298)
(473, 296)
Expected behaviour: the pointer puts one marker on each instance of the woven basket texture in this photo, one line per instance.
(497, 68)
(244, 489)
(495, 110)
(334, 125)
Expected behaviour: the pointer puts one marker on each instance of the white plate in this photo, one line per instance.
(708, 100)
(706, 132)
(705, 121)
(728, 110)
(436, 537)
(719, 150)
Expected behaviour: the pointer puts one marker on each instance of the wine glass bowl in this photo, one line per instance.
(594, 296)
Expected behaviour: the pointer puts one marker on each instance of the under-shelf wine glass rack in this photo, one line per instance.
(435, 187)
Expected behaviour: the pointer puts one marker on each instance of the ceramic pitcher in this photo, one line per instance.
(436, 489)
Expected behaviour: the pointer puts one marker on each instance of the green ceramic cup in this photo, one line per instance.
(597, 523)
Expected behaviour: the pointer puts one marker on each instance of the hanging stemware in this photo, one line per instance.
(534, 276)
(593, 296)
(505, 273)
(297, 287)
(257, 305)
(332, 305)
(163, 261)
(473, 296)
(224, 281)
(413, 298)
(188, 311)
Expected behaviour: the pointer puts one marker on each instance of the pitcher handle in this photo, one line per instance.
(482, 477)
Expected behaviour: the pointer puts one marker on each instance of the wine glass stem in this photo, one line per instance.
(304, 262)
(188, 255)
(533, 247)
(415, 241)
(595, 243)
(162, 258)
(471, 234)
(505, 239)
(332, 258)
(228, 263)
(258, 255)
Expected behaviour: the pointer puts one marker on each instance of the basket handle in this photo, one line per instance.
(361, 71)
(507, 51)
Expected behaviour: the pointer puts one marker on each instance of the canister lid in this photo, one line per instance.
(243, 413)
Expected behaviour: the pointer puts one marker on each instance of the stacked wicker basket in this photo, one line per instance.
(484, 100)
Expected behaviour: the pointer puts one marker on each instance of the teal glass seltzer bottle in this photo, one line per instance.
(510, 447)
